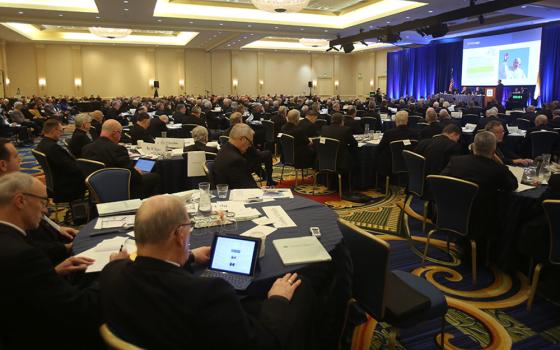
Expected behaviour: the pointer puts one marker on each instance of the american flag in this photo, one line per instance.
(451, 82)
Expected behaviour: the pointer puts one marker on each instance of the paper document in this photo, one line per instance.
(263, 221)
(278, 193)
(301, 250)
(101, 253)
(264, 229)
(114, 222)
(120, 207)
(517, 171)
(522, 187)
(245, 194)
(279, 216)
(195, 162)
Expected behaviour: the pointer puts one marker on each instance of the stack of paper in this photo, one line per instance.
(114, 222)
(101, 253)
(245, 194)
(120, 207)
(279, 216)
(278, 193)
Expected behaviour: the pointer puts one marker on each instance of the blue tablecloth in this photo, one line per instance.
(454, 99)
(304, 212)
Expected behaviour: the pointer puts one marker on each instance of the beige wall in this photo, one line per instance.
(126, 70)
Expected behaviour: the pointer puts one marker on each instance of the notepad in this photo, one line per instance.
(120, 207)
(301, 250)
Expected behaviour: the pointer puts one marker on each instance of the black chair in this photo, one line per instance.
(327, 161)
(319, 123)
(469, 119)
(222, 140)
(88, 166)
(523, 124)
(453, 200)
(269, 135)
(396, 297)
(187, 128)
(398, 166)
(542, 142)
(416, 166)
(49, 182)
(287, 146)
(420, 126)
(413, 120)
(109, 185)
(208, 165)
(552, 213)
(372, 122)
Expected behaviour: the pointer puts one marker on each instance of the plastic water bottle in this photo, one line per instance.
(366, 129)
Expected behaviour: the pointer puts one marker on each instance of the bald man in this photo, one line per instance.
(106, 149)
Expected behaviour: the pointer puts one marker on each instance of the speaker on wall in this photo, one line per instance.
(309, 84)
(156, 84)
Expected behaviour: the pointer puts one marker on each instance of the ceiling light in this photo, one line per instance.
(60, 15)
(20, 12)
(110, 33)
(280, 5)
(125, 9)
(97, 17)
(314, 42)
(347, 47)
(159, 20)
(430, 11)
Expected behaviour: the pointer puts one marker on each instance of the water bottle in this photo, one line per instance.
(366, 128)
(204, 204)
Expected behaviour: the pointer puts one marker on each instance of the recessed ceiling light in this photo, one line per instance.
(125, 9)
(60, 15)
(248, 25)
(430, 11)
(159, 20)
(20, 13)
(407, 17)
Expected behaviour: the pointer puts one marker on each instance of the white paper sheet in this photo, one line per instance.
(277, 214)
(262, 221)
(264, 229)
(244, 194)
(114, 221)
(195, 161)
(101, 253)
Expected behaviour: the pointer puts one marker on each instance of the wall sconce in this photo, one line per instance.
(7, 81)
(42, 82)
(261, 83)
(336, 84)
(314, 83)
(181, 83)
(151, 82)
(78, 82)
(234, 83)
(371, 83)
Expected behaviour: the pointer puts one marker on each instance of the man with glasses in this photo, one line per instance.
(504, 154)
(106, 149)
(68, 179)
(40, 309)
(230, 166)
(181, 311)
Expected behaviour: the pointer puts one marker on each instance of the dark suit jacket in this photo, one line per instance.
(179, 118)
(303, 153)
(493, 179)
(308, 128)
(95, 129)
(199, 146)
(191, 119)
(156, 127)
(278, 121)
(68, 179)
(383, 154)
(347, 146)
(40, 310)
(78, 141)
(51, 242)
(431, 130)
(139, 133)
(180, 311)
(437, 151)
(230, 167)
(353, 124)
(483, 121)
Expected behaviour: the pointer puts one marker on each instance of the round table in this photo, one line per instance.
(304, 212)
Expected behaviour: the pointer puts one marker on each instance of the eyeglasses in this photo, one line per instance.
(250, 142)
(44, 200)
(190, 225)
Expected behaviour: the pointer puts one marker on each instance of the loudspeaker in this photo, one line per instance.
(156, 84)
(309, 84)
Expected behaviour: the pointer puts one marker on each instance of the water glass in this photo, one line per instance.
(164, 134)
(366, 129)
(222, 190)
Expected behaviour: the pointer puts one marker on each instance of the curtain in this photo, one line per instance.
(550, 63)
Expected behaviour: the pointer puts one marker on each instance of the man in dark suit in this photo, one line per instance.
(107, 150)
(139, 131)
(230, 166)
(351, 122)
(541, 123)
(434, 126)
(439, 149)
(499, 90)
(491, 115)
(200, 136)
(35, 295)
(180, 114)
(158, 125)
(81, 136)
(115, 112)
(400, 132)
(348, 144)
(304, 154)
(182, 311)
(307, 125)
(484, 168)
(195, 117)
(68, 179)
(506, 155)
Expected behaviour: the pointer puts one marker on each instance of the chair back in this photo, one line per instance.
(397, 160)
(211, 155)
(327, 153)
(542, 142)
(319, 123)
(469, 119)
(416, 166)
(372, 122)
(222, 140)
(43, 162)
(552, 212)
(114, 342)
(517, 114)
(109, 185)
(287, 144)
(370, 261)
(187, 128)
(420, 126)
(208, 168)
(454, 199)
(413, 120)
(88, 166)
(269, 134)
(523, 124)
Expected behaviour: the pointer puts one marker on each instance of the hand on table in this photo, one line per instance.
(523, 162)
(201, 255)
(123, 254)
(285, 286)
(68, 232)
(73, 264)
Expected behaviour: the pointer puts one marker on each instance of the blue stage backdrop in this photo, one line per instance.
(423, 71)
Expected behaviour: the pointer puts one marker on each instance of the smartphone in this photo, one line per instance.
(315, 231)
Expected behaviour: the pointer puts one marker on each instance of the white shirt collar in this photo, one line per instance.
(14, 226)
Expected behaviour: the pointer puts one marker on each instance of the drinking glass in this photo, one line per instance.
(204, 204)
(222, 190)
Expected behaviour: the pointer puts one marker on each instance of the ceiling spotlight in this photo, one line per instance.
(435, 30)
(348, 47)
(389, 37)
(481, 19)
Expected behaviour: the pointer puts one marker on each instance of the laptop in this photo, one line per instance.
(233, 259)
(145, 165)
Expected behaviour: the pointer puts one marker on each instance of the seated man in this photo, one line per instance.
(434, 126)
(96, 122)
(507, 156)
(304, 154)
(180, 310)
(234, 118)
(139, 131)
(484, 168)
(541, 123)
(68, 179)
(351, 122)
(180, 114)
(230, 166)
(35, 295)
(491, 115)
(439, 149)
(200, 136)
(348, 144)
(80, 137)
(106, 149)
(195, 117)
(158, 125)
(307, 125)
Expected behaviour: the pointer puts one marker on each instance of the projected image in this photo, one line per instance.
(513, 57)
(513, 63)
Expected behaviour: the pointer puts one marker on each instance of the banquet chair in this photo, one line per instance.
(396, 297)
(327, 162)
(469, 119)
(269, 135)
(416, 166)
(207, 167)
(287, 145)
(542, 142)
(109, 185)
(453, 200)
(372, 122)
(88, 166)
(523, 124)
(398, 166)
(222, 140)
(552, 213)
(413, 120)
(187, 128)
(319, 123)
(113, 341)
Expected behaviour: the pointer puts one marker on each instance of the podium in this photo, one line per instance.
(489, 95)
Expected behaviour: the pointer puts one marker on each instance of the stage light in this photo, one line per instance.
(435, 30)
(389, 37)
(348, 47)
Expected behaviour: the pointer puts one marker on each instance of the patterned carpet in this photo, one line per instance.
(490, 315)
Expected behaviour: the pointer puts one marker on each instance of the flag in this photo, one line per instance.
(451, 82)
(537, 93)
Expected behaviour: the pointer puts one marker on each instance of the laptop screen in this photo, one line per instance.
(234, 254)
(145, 165)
